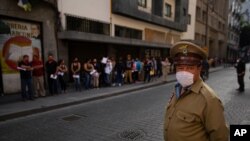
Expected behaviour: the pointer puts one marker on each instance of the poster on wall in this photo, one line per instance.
(17, 38)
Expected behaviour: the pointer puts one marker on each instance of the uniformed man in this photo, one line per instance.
(240, 68)
(194, 112)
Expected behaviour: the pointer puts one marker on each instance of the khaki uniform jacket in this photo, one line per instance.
(196, 116)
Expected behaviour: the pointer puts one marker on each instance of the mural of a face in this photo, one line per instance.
(35, 31)
(15, 48)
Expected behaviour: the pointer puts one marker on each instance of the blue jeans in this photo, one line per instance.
(27, 83)
(107, 79)
(118, 79)
(77, 83)
(147, 76)
(87, 80)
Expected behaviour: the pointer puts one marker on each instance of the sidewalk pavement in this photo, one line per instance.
(19, 108)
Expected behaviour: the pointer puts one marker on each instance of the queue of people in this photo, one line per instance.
(87, 75)
(110, 72)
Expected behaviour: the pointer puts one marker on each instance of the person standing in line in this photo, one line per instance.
(96, 73)
(165, 69)
(159, 67)
(51, 68)
(119, 70)
(112, 75)
(38, 76)
(128, 71)
(61, 71)
(154, 68)
(240, 69)
(25, 68)
(76, 69)
(87, 68)
(194, 111)
(147, 68)
(137, 69)
(108, 69)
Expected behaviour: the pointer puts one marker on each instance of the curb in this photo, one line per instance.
(53, 107)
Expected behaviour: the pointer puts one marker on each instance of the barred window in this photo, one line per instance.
(126, 32)
(87, 25)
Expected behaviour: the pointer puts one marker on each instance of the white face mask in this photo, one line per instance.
(185, 78)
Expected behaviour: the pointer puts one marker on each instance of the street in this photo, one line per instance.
(134, 116)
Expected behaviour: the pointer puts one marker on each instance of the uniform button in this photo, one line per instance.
(169, 117)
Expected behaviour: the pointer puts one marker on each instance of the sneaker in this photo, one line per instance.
(119, 84)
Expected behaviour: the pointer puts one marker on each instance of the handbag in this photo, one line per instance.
(152, 72)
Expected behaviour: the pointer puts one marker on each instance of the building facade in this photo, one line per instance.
(208, 26)
(142, 28)
(24, 29)
(234, 17)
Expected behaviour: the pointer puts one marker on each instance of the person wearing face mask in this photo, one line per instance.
(194, 111)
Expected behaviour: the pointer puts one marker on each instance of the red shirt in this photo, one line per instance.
(37, 71)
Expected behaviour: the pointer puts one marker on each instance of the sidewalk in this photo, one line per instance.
(20, 108)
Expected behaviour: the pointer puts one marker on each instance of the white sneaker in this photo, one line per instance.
(120, 84)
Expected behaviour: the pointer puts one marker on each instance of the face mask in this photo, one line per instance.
(185, 78)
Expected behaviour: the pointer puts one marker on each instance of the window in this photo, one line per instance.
(167, 10)
(142, 3)
(198, 13)
(204, 16)
(126, 32)
(87, 25)
(184, 12)
(189, 19)
(203, 38)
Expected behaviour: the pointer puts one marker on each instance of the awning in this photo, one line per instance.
(90, 37)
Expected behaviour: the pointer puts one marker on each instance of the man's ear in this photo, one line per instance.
(199, 67)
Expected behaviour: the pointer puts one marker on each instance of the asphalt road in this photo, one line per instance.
(133, 116)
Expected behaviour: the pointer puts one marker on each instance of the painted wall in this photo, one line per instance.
(93, 9)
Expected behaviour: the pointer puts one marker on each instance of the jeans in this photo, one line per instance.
(77, 84)
(241, 83)
(53, 85)
(107, 79)
(62, 83)
(27, 83)
(147, 76)
(118, 78)
(87, 80)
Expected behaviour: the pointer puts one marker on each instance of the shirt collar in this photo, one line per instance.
(197, 86)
